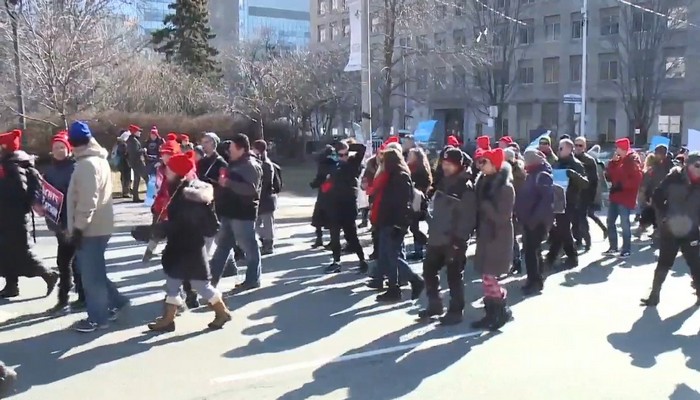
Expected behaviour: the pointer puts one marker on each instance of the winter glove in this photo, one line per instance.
(77, 238)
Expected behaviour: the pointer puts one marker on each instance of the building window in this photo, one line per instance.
(422, 79)
(460, 7)
(377, 24)
(459, 77)
(322, 7)
(527, 1)
(575, 68)
(609, 21)
(678, 17)
(576, 25)
(551, 69)
(479, 129)
(675, 63)
(335, 4)
(550, 115)
(552, 28)
(322, 34)
(440, 78)
(422, 43)
(346, 28)
(609, 67)
(526, 72)
(611, 128)
(526, 34)
(642, 21)
(335, 30)
(459, 37)
(440, 41)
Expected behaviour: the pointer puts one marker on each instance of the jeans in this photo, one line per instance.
(391, 256)
(244, 233)
(225, 241)
(101, 295)
(614, 211)
(265, 226)
(203, 288)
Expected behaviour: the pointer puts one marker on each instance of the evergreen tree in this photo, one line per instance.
(185, 38)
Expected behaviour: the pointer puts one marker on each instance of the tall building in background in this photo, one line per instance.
(154, 12)
(286, 22)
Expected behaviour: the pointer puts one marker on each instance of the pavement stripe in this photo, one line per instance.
(333, 360)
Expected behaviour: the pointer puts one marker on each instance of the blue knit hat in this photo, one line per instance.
(79, 133)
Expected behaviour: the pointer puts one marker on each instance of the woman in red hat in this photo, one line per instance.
(191, 219)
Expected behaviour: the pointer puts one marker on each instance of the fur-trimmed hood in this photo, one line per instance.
(199, 191)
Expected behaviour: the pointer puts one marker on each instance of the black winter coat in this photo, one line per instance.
(270, 184)
(20, 188)
(319, 219)
(395, 207)
(58, 175)
(208, 169)
(343, 194)
(191, 219)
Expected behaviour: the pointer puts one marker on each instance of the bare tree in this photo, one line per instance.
(646, 58)
(66, 50)
(499, 30)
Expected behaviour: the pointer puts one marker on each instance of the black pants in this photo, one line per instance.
(125, 178)
(689, 248)
(532, 244)
(579, 226)
(138, 175)
(591, 214)
(68, 272)
(435, 258)
(561, 237)
(350, 231)
(419, 238)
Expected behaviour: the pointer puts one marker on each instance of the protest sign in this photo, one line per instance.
(51, 202)
(693, 140)
(560, 178)
(659, 140)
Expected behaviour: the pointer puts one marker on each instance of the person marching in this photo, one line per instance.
(271, 185)
(134, 155)
(20, 189)
(152, 148)
(422, 178)
(452, 225)
(58, 175)
(191, 219)
(494, 239)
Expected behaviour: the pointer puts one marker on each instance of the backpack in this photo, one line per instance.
(559, 204)
(277, 183)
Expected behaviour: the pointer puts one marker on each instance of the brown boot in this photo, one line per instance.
(221, 315)
(166, 323)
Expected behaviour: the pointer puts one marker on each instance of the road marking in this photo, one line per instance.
(333, 360)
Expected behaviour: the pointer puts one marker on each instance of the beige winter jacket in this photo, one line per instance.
(89, 199)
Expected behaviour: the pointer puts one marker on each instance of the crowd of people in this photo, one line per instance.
(508, 203)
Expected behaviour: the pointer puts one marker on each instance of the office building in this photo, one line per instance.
(286, 22)
(547, 67)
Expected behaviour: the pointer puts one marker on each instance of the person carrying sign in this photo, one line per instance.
(20, 190)
(57, 178)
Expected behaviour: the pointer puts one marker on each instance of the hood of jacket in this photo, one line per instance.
(92, 149)
(20, 157)
(198, 191)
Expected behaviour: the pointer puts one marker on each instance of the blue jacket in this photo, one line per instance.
(534, 204)
(58, 175)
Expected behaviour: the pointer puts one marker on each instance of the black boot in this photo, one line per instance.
(456, 309)
(417, 286)
(319, 239)
(191, 300)
(532, 287)
(392, 295)
(434, 309)
(501, 314)
(267, 247)
(653, 299)
(51, 278)
(363, 267)
(451, 317)
(489, 318)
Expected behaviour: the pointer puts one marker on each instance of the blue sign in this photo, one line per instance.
(424, 130)
(560, 178)
(659, 140)
(536, 143)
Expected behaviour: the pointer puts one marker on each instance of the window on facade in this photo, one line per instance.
(460, 7)
(609, 21)
(335, 4)
(678, 17)
(440, 78)
(322, 7)
(526, 72)
(422, 43)
(335, 30)
(440, 41)
(575, 68)
(576, 25)
(526, 33)
(643, 21)
(550, 115)
(479, 128)
(459, 38)
(346, 28)
(422, 79)
(459, 77)
(377, 24)
(321, 35)
(551, 69)
(609, 66)
(675, 63)
(552, 28)
(527, 1)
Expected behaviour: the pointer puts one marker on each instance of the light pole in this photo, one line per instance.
(584, 66)
(366, 72)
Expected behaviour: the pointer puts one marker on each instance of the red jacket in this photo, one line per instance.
(625, 176)
(162, 195)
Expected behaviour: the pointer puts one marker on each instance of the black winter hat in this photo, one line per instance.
(454, 155)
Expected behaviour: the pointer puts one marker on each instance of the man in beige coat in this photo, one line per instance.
(90, 225)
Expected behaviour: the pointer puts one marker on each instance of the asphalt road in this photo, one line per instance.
(308, 336)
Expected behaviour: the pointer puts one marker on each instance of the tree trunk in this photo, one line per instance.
(386, 108)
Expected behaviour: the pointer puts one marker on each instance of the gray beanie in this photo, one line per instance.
(533, 156)
(213, 136)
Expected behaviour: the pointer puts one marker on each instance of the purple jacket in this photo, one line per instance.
(534, 204)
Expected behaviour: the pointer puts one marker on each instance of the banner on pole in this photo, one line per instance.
(51, 202)
(355, 60)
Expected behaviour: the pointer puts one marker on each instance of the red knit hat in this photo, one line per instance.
(623, 144)
(170, 147)
(506, 139)
(62, 137)
(391, 139)
(171, 136)
(134, 128)
(496, 157)
(184, 136)
(11, 140)
(452, 141)
(182, 164)
(479, 153)
(483, 142)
